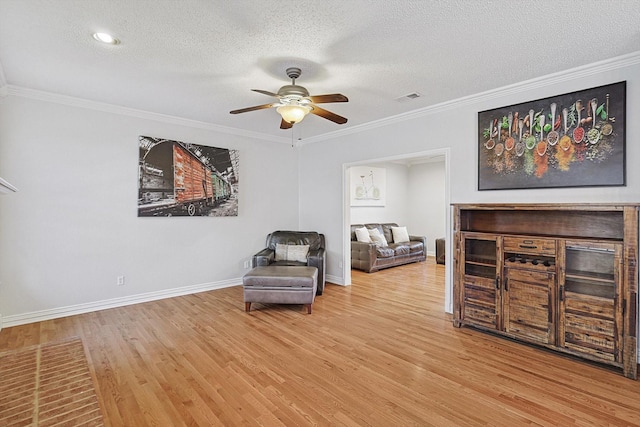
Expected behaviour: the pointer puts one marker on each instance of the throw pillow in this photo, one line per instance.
(291, 252)
(362, 235)
(377, 237)
(281, 252)
(298, 253)
(400, 234)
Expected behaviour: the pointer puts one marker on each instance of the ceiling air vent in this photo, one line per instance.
(408, 97)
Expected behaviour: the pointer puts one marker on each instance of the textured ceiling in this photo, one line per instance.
(198, 59)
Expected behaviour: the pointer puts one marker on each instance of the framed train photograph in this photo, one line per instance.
(176, 178)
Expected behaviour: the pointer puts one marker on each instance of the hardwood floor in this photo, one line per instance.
(379, 353)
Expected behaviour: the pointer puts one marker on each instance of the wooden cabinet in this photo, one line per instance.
(560, 276)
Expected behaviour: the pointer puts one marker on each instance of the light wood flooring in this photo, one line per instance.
(381, 352)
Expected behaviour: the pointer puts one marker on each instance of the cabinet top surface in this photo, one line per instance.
(547, 206)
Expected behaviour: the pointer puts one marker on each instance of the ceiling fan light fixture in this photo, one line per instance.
(293, 113)
(295, 103)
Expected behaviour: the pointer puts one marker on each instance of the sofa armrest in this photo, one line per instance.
(363, 255)
(422, 239)
(264, 257)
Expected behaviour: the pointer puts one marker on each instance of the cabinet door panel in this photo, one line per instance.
(590, 320)
(600, 347)
(585, 324)
(590, 326)
(588, 305)
(480, 315)
(527, 305)
(480, 301)
(480, 295)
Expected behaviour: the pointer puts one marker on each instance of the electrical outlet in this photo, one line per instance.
(120, 280)
(247, 264)
(340, 264)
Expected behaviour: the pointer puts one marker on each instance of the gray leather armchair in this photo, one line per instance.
(315, 257)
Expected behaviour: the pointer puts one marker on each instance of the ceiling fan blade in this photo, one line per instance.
(333, 97)
(266, 92)
(257, 107)
(328, 115)
(285, 124)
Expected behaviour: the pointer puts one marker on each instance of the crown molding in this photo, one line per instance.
(604, 66)
(132, 112)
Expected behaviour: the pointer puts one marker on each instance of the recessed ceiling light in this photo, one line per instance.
(105, 38)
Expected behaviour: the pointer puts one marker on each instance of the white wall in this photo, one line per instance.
(426, 207)
(72, 227)
(453, 126)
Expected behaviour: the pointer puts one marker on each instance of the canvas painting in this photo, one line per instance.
(368, 186)
(575, 139)
(176, 178)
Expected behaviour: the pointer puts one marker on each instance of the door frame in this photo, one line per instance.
(346, 215)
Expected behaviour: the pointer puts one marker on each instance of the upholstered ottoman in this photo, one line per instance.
(280, 285)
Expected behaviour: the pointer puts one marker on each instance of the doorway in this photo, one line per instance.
(419, 162)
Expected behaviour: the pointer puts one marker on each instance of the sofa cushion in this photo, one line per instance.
(362, 235)
(400, 234)
(400, 249)
(289, 263)
(292, 252)
(385, 252)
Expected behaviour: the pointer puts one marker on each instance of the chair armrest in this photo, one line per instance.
(315, 258)
(264, 257)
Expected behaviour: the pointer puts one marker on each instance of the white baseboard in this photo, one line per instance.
(55, 313)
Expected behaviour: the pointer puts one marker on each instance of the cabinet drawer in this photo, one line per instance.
(530, 245)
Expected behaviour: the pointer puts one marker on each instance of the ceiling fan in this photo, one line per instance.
(295, 102)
